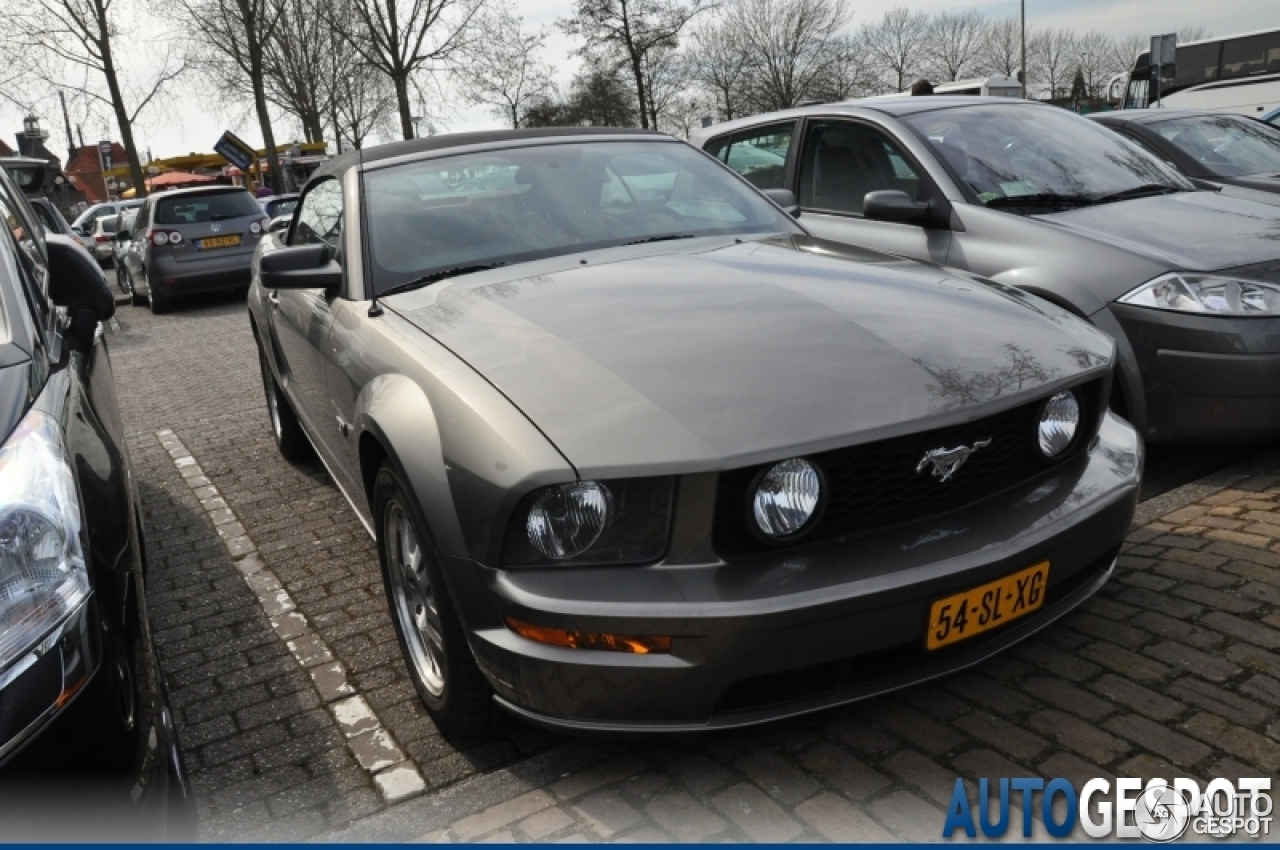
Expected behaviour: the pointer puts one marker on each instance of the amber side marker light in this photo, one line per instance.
(636, 644)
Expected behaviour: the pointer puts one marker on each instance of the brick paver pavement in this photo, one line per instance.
(1172, 670)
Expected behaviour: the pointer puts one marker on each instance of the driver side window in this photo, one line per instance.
(843, 161)
(320, 218)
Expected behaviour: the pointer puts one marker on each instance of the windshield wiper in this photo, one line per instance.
(1043, 199)
(1143, 191)
(435, 277)
(665, 238)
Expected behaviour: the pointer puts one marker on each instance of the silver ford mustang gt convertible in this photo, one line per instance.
(642, 454)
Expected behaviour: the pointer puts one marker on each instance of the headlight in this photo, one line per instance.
(1058, 422)
(786, 497)
(43, 577)
(1210, 294)
(623, 521)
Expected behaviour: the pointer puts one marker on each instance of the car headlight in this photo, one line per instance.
(43, 576)
(625, 521)
(1059, 419)
(786, 497)
(1206, 293)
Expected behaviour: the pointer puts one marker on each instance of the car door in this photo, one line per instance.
(760, 154)
(840, 162)
(136, 252)
(300, 318)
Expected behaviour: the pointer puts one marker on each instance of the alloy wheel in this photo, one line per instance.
(415, 599)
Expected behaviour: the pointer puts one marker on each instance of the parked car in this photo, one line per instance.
(83, 226)
(277, 205)
(672, 463)
(102, 239)
(82, 702)
(1236, 155)
(192, 240)
(121, 245)
(1187, 282)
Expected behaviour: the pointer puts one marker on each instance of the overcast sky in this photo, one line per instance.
(190, 119)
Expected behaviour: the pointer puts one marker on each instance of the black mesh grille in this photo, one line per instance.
(876, 485)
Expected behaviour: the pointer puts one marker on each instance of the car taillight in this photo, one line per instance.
(102, 237)
(165, 237)
(258, 225)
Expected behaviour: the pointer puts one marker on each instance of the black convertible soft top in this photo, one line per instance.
(340, 164)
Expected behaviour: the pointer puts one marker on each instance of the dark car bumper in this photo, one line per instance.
(1206, 378)
(206, 274)
(76, 724)
(785, 633)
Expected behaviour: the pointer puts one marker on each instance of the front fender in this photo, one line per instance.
(396, 412)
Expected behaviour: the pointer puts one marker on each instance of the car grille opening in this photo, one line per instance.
(875, 485)
(791, 686)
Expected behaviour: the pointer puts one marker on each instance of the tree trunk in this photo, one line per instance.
(117, 103)
(641, 99)
(337, 131)
(401, 82)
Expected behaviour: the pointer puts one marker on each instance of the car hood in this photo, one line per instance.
(656, 359)
(1196, 231)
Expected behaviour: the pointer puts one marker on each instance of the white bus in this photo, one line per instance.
(1236, 73)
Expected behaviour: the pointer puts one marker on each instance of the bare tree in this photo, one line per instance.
(849, 73)
(721, 63)
(55, 39)
(667, 74)
(793, 43)
(1095, 49)
(954, 44)
(296, 69)
(1125, 50)
(1054, 58)
(627, 31)
(503, 70)
(400, 38)
(1192, 33)
(1002, 48)
(898, 42)
(234, 37)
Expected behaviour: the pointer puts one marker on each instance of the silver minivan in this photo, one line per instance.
(1187, 282)
(192, 240)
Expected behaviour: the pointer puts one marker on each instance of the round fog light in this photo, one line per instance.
(1058, 422)
(566, 519)
(786, 497)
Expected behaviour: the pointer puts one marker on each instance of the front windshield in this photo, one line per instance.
(1012, 155)
(518, 204)
(1226, 145)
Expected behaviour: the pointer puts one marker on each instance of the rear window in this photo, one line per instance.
(108, 225)
(190, 209)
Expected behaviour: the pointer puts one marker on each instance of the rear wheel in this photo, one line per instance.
(432, 640)
(158, 301)
(286, 429)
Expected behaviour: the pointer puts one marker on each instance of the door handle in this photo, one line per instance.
(274, 298)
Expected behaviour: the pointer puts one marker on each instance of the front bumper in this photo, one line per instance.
(785, 633)
(1206, 378)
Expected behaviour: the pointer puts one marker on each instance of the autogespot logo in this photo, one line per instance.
(1160, 811)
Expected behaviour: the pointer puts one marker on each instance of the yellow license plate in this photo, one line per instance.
(981, 608)
(220, 242)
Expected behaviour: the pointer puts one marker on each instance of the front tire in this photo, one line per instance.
(285, 427)
(432, 641)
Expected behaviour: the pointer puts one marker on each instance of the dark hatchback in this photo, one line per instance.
(1234, 154)
(83, 713)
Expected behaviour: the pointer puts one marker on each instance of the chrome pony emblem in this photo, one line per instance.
(945, 462)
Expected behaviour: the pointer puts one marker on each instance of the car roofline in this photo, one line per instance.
(618, 135)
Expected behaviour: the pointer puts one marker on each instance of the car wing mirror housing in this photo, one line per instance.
(786, 199)
(77, 283)
(895, 206)
(300, 267)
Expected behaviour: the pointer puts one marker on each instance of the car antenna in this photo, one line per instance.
(375, 309)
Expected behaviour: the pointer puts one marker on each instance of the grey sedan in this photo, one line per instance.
(640, 453)
(1187, 282)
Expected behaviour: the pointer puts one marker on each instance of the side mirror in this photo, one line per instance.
(77, 283)
(300, 267)
(786, 199)
(896, 206)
